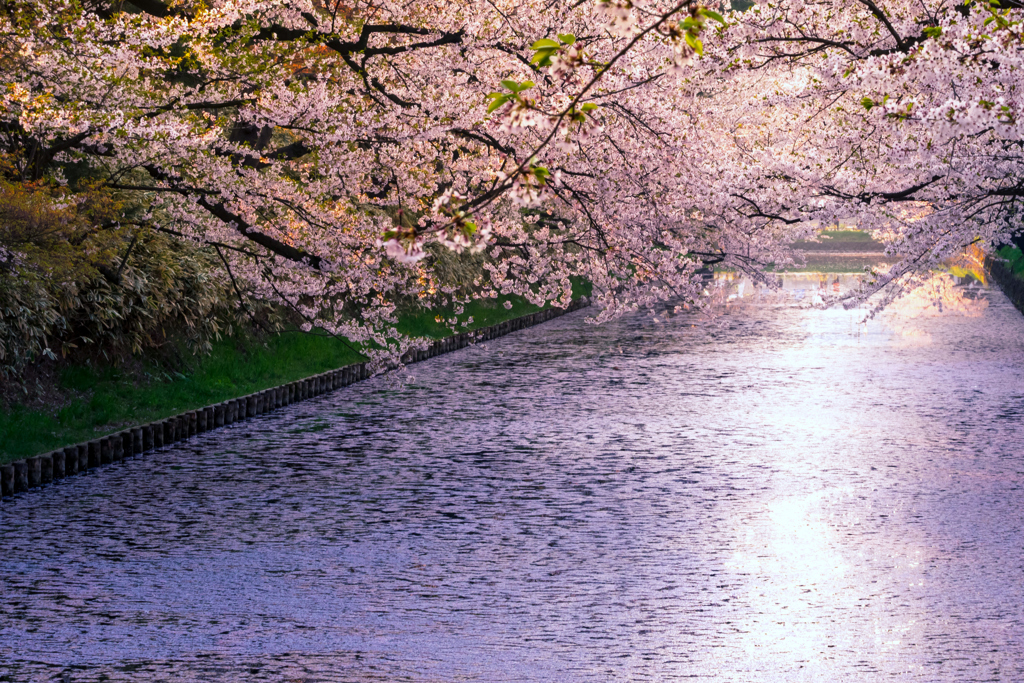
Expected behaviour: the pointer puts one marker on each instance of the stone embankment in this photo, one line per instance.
(23, 475)
(1011, 284)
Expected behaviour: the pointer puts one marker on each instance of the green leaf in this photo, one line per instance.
(543, 57)
(567, 38)
(517, 87)
(695, 43)
(497, 101)
(712, 15)
(933, 31)
(544, 43)
(589, 106)
(867, 103)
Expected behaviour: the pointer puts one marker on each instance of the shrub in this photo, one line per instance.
(73, 280)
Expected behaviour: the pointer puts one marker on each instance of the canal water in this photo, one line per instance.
(773, 493)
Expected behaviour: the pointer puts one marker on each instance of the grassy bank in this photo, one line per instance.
(1015, 259)
(107, 399)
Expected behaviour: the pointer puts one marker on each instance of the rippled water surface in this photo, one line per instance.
(780, 495)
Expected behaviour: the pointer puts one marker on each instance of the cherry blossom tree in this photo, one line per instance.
(330, 152)
(903, 117)
(322, 148)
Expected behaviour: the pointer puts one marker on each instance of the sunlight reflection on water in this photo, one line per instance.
(772, 494)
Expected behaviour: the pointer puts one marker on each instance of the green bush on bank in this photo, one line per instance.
(74, 282)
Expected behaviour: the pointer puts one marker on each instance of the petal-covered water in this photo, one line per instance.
(780, 494)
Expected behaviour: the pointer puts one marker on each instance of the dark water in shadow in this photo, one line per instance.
(779, 495)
